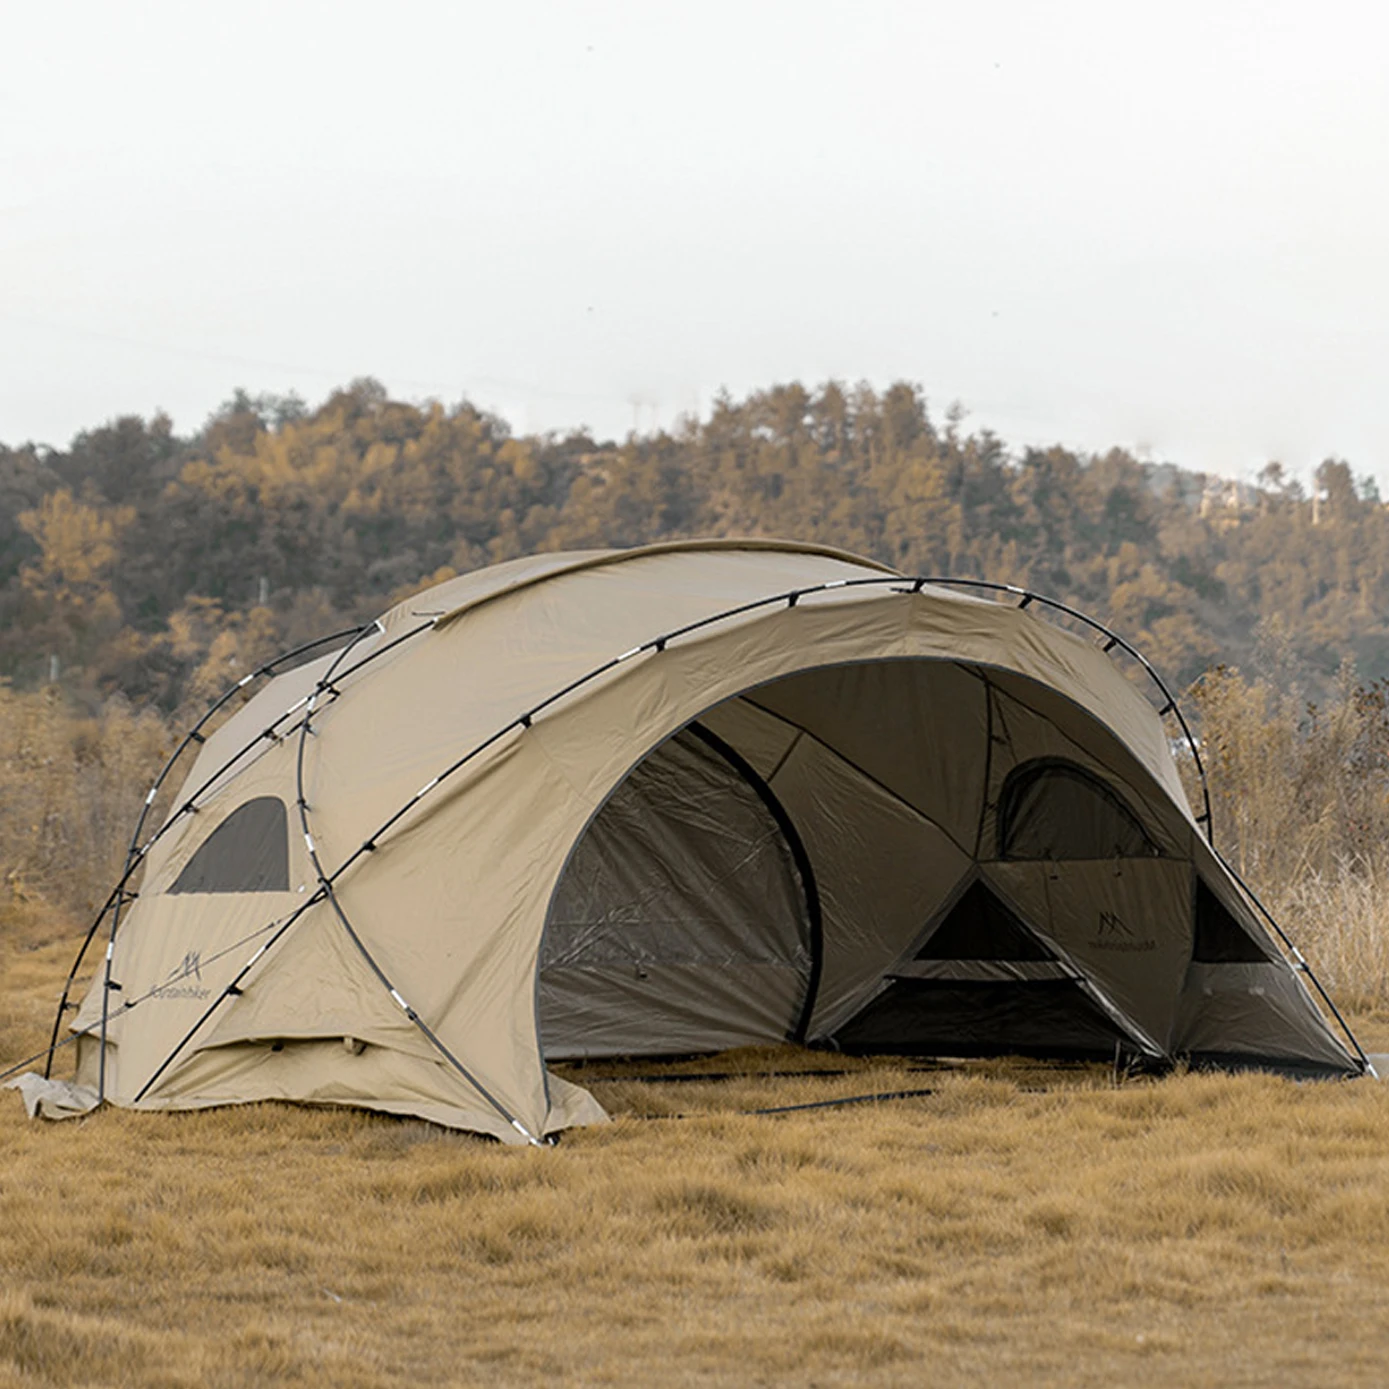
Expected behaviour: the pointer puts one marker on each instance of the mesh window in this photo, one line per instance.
(1220, 939)
(247, 852)
(1054, 809)
(980, 927)
(681, 922)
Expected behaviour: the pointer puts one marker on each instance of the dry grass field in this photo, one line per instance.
(1019, 1224)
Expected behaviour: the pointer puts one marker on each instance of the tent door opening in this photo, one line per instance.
(983, 983)
(686, 919)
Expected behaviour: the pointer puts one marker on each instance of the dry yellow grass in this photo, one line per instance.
(1020, 1224)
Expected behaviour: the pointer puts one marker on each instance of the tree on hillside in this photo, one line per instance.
(140, 557)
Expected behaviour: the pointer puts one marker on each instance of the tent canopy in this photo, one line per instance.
(672, 800)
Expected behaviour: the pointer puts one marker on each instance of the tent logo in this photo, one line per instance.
(190, 968)
(1114, 933)
(192, 964)
(1112, 924)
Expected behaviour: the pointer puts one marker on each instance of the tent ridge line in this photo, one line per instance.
(603, 559)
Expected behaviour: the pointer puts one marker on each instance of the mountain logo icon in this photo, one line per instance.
(1113, 926)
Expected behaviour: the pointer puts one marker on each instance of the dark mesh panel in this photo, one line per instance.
(247, 852)
(947, 1018)
(980, 927)
(681, 921)
(1054, 809)
(1220, 939)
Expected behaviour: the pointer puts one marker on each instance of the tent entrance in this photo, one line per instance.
(984, 984)
(686, 919)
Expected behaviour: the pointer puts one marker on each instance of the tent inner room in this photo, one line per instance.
(908, 856)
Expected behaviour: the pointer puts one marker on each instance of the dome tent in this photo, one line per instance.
(668, 800)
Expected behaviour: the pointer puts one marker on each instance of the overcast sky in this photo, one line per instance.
(1164, 226)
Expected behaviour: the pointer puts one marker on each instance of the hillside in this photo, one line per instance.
(142, 562)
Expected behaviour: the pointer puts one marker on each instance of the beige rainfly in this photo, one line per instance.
(802, 798)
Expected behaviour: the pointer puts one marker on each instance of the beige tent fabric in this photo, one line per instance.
(875, 714)
(53, 1099)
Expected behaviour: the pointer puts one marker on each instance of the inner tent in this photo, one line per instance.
(913, 856)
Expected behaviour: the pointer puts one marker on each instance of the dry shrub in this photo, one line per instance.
(1340, 921)
(71, 787)
(72, 784)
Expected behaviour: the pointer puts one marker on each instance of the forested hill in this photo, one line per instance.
(160, 566)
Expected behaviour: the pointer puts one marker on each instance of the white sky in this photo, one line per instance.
(1163, 226)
